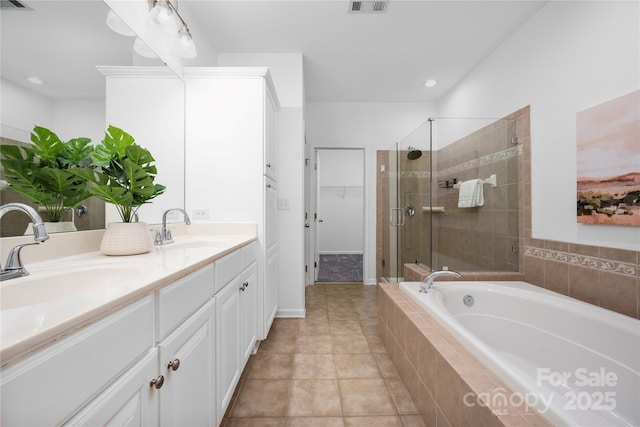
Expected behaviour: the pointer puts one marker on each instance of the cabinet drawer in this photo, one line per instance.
(49, 386)
(178, 300)
(249, 254)
(227, 268)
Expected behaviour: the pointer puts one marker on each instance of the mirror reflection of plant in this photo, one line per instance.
(44, 171)
(124, 175)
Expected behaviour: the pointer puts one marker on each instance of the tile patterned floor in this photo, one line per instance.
(327, 370)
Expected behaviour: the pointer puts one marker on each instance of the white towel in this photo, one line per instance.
(471, 194)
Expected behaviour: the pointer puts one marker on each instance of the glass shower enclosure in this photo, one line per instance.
(422, 225)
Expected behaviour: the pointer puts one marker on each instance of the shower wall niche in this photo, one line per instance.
(419, 221)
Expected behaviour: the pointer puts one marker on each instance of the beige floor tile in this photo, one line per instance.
(356, 366)
(262, 398)
(346, 313)
(350, 344)
(278, 344)
(314, 344)
(314, 366)
(378, 421)
(365, 397)
(271, 366)
(401, 397)
(314, 398)
(345, 327)
(255, 422)
(284, 327)
(387, 368)
(315, 422)
(314, 326)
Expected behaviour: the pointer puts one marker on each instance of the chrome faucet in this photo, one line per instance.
(427, 283)
(163, 236)
(13, 267)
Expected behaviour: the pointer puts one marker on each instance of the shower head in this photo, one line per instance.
(413, 153)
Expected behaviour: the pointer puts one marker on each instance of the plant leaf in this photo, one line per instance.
(77, 152)
(46, 144)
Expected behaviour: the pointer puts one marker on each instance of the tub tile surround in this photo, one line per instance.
(441, 375)
(603, 276)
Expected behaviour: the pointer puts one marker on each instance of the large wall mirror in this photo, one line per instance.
(59, 43)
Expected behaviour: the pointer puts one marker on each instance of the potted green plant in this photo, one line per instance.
(123, 174)
(44, 172)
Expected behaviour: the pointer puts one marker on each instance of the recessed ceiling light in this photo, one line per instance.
(430, 83)
(35, 80)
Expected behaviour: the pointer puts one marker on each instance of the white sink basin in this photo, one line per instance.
(45, 287)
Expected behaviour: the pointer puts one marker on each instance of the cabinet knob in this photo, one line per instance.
(157, 382)
(174, 364)
(245, 285)
(268, 165)
(268, 185)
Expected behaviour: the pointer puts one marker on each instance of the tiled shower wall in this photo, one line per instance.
(480, 238)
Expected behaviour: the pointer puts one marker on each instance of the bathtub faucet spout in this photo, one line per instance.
(427, 283)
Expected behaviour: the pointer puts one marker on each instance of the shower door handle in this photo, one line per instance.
(399, 216)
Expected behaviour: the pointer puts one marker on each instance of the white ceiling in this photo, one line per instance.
(348, 57)
(367, 57)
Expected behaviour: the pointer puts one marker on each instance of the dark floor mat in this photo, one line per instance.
(340, 268)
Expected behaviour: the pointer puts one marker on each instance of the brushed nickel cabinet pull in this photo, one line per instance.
(174, 364)
(157, 382)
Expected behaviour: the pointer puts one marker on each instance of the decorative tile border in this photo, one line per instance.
(583, 261)
(484, 160)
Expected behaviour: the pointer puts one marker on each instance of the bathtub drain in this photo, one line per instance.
(468, 300)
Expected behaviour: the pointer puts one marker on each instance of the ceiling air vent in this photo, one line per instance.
(13, 4)
(367, 6)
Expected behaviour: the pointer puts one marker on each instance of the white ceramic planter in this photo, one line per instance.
(126, 238)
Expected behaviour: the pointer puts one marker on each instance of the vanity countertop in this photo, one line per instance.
(60, 296)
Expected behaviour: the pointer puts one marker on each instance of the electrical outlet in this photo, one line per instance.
(283, 204)
(201, 214)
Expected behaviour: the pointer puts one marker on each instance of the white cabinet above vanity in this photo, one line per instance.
(149, 356)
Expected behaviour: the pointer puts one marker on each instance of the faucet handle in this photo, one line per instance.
(13, 260)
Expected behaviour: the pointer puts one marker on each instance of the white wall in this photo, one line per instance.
(371, 126)
(22, 109)
(341, 201)
(570, 56)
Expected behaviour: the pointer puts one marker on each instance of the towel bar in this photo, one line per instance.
(492, 181)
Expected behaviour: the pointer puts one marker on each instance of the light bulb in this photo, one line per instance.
(183, 45)
(118, 25)
(162, 19)
(142, 49)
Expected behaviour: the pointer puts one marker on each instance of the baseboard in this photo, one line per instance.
(371, 282)
(291, 313)
(342, 253)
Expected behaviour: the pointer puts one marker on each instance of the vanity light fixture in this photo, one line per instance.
(162, 19)
(142, 49)
(118, 25)
(430, 83)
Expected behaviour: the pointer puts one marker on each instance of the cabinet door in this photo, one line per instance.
(271, 287)
(271, 137)
(248, 311)
(187, 363)
(227, 344)
(270, 214)
(130, 401)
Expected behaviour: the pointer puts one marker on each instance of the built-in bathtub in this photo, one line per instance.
(577, 364)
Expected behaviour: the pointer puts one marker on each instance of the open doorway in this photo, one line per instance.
(339, 220)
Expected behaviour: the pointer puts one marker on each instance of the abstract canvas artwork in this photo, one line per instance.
(608, 153)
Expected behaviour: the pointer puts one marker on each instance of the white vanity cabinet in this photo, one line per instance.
(236, 321)
(187, 362)
(51, 385)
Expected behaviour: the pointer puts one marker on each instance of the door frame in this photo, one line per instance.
(314, 243)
